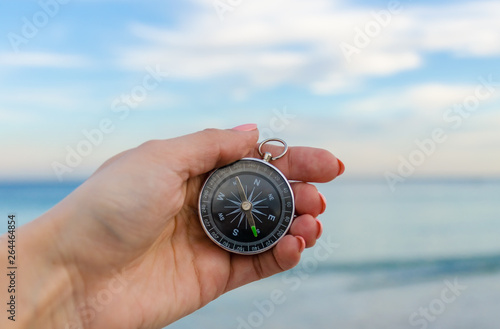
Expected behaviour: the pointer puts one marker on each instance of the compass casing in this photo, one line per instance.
(272, 206)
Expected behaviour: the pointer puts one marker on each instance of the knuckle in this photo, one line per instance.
(211, 132)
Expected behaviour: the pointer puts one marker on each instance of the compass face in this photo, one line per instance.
(246, 207)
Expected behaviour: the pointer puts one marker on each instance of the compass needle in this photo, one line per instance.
(246, 206)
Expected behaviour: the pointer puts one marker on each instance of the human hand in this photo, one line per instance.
(137, 217)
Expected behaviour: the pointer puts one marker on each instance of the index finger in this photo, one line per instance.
(306, 164)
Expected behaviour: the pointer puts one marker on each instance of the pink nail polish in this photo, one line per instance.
(246, 127)
(320, 228)
(341, 167)
(302, 243)
(323, 202)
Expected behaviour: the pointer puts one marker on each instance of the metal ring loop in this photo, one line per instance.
(279, 140)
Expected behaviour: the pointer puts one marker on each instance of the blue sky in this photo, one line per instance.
(276, 63)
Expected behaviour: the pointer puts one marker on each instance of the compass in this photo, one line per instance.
(246, 207)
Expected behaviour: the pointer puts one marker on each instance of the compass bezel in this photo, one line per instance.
(247, 166)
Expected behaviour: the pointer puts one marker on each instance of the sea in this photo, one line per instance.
(426, 255)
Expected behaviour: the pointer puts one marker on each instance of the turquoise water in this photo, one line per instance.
(384, 259)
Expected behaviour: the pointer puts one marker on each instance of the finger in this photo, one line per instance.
(308, 228)
(284, 256)
(305, 163)
(198, 153)
(307, 199)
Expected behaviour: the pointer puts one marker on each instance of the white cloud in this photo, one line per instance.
(428, 99)
(469, 29)
(8, 116)
(41, 59)
(159, 102)
(295, 42)
(59, 99)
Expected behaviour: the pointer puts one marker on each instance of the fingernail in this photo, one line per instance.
(302, 243)
(320, 228)
(341, 167)
(323, 202)
(246, 127)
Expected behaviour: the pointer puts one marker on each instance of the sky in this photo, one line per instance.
(396, 89)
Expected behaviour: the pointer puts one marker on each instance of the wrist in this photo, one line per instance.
(45, 293)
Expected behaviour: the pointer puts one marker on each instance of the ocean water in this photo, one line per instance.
(424, 256)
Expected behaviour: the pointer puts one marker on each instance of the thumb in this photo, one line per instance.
(200, 152)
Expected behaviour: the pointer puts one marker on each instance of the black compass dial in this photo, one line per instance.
(246, 207)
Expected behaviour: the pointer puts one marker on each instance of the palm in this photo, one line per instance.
(185, 265)
(158, 244)
(189, 269)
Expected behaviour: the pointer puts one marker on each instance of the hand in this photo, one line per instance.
(130, 250)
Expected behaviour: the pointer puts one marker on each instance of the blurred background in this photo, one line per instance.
(405, 93)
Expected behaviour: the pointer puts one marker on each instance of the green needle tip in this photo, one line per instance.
(254, 230)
